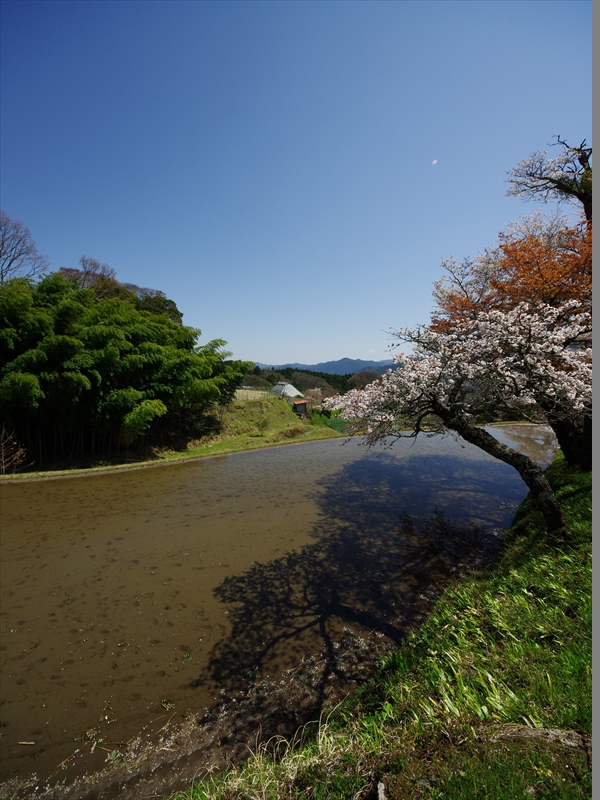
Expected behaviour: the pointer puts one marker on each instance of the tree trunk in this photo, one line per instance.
(31, 445)
(575, 440)
(527, 468)
(73, 442)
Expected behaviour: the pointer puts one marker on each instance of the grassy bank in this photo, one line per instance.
(253, 424)
(246, 425)
(490, 698)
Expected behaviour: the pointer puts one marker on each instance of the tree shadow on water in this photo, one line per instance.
(307, 626)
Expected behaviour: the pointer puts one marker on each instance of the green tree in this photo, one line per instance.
(87, 368)
(361, 379)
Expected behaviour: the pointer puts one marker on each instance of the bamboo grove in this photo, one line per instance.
(90, 367)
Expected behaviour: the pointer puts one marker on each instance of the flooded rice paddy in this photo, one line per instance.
(153, 603)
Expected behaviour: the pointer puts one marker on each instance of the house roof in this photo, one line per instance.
(286, 390)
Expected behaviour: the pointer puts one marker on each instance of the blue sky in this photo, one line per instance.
(269, 165)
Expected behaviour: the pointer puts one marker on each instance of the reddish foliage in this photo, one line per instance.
(534, 269)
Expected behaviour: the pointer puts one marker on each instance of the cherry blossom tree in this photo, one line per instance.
(538, 260)
(524, 359)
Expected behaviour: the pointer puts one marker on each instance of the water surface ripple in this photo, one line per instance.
(135, 600)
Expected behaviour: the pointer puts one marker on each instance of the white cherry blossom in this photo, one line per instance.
(537, 362)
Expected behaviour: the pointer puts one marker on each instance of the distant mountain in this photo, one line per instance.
(344, 366)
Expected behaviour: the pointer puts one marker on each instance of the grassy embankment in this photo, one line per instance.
(252, 424)
(245, 425)
(467, 707)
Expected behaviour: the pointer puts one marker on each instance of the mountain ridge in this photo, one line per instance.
(343, 366)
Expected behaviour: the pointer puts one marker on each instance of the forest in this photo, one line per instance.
(90, 367)
(329, 384)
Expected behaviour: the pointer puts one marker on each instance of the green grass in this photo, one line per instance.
(506, 652)
(255, 424)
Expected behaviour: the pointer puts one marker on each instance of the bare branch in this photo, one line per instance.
(18, 254)
(565, 178)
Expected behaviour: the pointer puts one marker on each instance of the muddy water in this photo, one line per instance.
(131, 600)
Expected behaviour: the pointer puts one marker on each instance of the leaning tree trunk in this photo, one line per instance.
(527, 468)
(575, 439)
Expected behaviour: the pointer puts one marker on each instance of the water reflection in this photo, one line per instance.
(536, 441)
(196, 582)
(366, 570)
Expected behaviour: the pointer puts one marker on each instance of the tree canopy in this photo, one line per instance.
(88, 365)
(537, 260)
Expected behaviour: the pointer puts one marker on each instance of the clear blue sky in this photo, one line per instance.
(269, 165)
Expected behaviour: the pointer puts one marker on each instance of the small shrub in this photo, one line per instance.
(262, 424)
